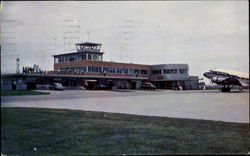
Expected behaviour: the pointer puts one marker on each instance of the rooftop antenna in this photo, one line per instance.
(127, 36)
(9, 34)
(55, 44)
(71, 31)
(17, 65)
(88, 34)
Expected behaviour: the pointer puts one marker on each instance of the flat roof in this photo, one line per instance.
(73, 76)
(88, 43)
(79, 53)
(102, 63)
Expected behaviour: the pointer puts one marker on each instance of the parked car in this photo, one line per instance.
(56, 86)
(148, 86)
(101, 87)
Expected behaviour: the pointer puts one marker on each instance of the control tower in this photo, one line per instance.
(92, 49)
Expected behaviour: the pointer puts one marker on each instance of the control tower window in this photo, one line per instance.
(98, 47)
(83, 56)
(56, 60)
(89, 56)
(77, 47)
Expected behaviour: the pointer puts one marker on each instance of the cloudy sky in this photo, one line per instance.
(206, 35)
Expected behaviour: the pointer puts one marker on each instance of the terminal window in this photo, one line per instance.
(144, 72)
(156, 72)
(170, 71)
(183, 71)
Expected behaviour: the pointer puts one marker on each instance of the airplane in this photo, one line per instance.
(228, 78)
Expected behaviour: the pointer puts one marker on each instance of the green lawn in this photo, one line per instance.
(21, 92)
(70, 132)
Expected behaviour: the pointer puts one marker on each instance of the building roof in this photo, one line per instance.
(72, 76)
(78, 53)
(89, 43)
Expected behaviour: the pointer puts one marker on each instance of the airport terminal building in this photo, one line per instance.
(86, 67)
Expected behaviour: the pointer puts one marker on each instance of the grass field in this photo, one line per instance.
(21, 92)
(70, 132)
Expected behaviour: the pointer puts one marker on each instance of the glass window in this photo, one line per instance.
(84, 56)
(89, 69)
(119, 70)
(131, 71)
(156, 72)
(56, 59)
(106, 69)
(125, 71)
(144, 72)
(137, 71)
(164, 71)
(171, 71)
(79, 57)
(89, 56)
(112, 70)
(183, 71)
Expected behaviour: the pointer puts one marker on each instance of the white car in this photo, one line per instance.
(56, 86)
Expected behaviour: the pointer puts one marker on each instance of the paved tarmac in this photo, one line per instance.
(198, 104)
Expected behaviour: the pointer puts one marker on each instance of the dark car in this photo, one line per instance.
(148, 86)
(101, 87)
(56, 86)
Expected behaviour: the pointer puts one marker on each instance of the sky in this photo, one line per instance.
(204, 34)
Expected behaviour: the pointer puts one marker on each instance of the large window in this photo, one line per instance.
(156, 72)
(84, 56)
(112, 70)
(137, 71)
(131, 71)
(144, 72)
(183, 71)
(169, 71)
(106, 69)
(56, 60)
(119, 70)
(94, 69)
(125, 71)
(89, 56)
(78, 57)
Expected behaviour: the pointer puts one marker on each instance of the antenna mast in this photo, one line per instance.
(17, 65)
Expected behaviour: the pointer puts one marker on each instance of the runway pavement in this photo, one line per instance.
(199, 104)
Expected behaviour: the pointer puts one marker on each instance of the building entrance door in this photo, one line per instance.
(31, 85)
(13, 85)
(133, 85)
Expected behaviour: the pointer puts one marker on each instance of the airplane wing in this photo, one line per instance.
(232, 80)
(227, 79)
